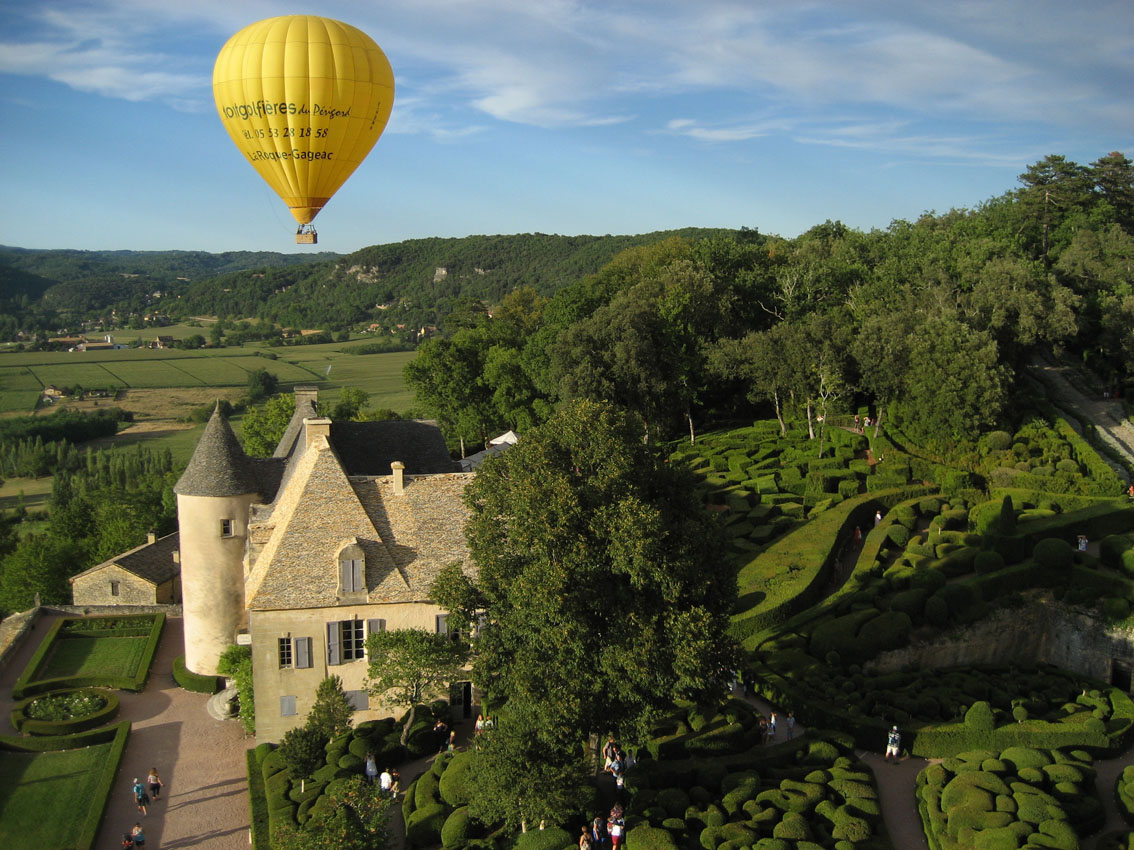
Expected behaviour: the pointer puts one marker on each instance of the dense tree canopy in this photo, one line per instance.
(603, 594)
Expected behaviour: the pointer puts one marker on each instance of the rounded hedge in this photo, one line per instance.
(1053, 553)
(455, 786)
(544, 839)
(455, 831)
(423, 826)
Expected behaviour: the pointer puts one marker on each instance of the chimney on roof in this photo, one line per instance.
(316, 428)
(399, 480)
(306, 393)
(151, 538)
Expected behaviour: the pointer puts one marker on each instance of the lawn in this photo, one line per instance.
(107, 657)
(47, 799)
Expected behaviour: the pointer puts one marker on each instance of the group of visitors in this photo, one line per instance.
(616, 762)
(862, 423)
(389, 782)
(143, 794)
(768, 726)
(603, 834)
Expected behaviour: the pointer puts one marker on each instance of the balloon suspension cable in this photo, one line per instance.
(306, 235)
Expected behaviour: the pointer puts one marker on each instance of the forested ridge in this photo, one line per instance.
(412, 283)
(930, 322)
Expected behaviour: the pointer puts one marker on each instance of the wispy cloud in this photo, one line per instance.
(585, 63)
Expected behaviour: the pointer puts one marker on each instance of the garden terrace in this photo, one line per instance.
(111, 652)
(53, 790)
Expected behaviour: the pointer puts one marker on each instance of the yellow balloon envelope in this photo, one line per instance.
(304, 98)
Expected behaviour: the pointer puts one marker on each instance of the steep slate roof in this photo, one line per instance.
(406, 539)
(219, 466)
(368, 448)
(153, 562)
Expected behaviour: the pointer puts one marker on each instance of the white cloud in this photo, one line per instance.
(588, 63)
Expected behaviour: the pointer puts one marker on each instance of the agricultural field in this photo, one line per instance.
(163, 388)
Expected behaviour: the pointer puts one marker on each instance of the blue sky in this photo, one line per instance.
(562, 116)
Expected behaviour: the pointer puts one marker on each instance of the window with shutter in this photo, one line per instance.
(333, 654)
(285, 652)
(287, 706)
(302, 652)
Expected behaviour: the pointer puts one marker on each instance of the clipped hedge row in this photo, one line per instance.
(195, 682)
(31, 726)
(809, 553)
(257, 799)
(27, 684)
(117, 735)
(1007, 799)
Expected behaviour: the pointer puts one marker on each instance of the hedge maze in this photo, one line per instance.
(944, 545)
(1005, 800)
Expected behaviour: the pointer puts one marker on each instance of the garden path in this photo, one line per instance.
(1079, 395)
(204, 804)
(412, 770)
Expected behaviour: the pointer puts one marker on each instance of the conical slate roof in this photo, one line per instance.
(219, 466)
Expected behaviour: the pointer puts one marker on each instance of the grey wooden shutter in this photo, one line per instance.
(373, 626)
(334, 656)
(303, 652)
(287, 706)
(346, 575)
(356, 575)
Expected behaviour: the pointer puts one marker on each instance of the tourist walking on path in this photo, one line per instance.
(140, 795)
(155, 783)
(893, 745)
(139, 835)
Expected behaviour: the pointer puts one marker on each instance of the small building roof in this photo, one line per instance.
(154, 562)
(219, 466)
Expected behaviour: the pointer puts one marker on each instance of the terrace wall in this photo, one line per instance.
(1043, 631)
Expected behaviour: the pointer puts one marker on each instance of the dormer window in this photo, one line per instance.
(352, 569)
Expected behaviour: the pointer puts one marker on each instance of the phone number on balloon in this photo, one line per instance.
(286, 133)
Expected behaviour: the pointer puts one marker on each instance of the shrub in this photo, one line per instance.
(454, 785)
(191, 681)
(544, 839)
(988, 561)
(980, 718)
(455, 831)
(423, 826)
(1052, 553)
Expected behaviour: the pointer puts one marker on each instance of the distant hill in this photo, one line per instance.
(416, 282)
(401, 286)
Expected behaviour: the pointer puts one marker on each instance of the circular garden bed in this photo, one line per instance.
(65, 712)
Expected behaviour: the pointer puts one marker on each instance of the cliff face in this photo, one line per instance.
(1043, 631)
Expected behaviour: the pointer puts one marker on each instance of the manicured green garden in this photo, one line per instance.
(55, 779)
(111, 651)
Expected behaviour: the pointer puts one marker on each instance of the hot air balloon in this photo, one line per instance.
(304, 98)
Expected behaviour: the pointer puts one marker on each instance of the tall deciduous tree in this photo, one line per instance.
(605, 596)
(522, 778)
(408, 665)
(263, 426)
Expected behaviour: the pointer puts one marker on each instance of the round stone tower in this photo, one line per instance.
(213, 497)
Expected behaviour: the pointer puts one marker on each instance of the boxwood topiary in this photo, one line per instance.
(423, 827)
(646, 837)
(455, 831)
(544, 839)
(455, 787)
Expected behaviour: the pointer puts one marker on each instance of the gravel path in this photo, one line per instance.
(1078, 395)
(204, 803)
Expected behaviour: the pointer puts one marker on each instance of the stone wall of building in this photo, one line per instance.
(98, 588)
(271, 681)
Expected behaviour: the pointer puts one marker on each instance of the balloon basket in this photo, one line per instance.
(307, 237)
